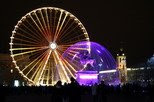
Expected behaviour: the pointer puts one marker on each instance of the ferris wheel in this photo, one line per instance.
(38, 41)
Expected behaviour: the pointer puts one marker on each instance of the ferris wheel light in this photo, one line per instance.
(16, 26)
(53, 46)
(12, 37)
(14, 61)
(11, 44)
(37, 45)
(13, 31)
(19, 21)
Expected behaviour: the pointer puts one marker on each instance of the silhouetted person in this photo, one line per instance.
(58, 84)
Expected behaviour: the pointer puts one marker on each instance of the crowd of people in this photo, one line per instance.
(73, 92)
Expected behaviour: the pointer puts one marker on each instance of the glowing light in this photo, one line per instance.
(93, 76)
(11, 70)
(16, 83)
(53, 46)
(108, 71)
(128, 68)
(98, 51)
(87, 77)
(142, 68)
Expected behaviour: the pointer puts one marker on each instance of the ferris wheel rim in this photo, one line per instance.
(24, 17)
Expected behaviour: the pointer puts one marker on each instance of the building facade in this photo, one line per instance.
(121, 66)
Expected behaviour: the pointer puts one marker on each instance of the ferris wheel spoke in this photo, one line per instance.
(66, 67)
(29, 45)
(30, 38)
(43, 69)
(48, 74)
(52, 75)
(45, 25)
(65, 25)
(58, 32)
(25, 32)
(62, 51)
(26, 52)
(54, 25)
(71, 54)
(66, 34)
(48, 25)
(74, 52)
(63, 47)
(70, 51)
(65, 61)
(40, 29)
(72, 68)
(55, 35)
(72, 38)
(35, 76)
(76, 66)
(62, 67)
(32, 33)
(39, 21)
(28, 48)
(63, 34)
(76, 47)
(26, 41)
(36, 33)
(37, 61)
(57, 65)
(22, 58)
(63, 31)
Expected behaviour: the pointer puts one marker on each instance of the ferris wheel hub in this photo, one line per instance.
(53, 45)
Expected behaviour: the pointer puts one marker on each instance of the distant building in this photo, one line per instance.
(121, 66)
(142, 74)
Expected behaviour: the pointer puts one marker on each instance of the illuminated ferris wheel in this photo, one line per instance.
(38, 42)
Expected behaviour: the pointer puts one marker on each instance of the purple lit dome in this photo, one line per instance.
(89, 56)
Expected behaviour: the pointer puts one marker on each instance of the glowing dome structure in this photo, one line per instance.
(91, 56)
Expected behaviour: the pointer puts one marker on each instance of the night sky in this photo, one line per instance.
(111, 23)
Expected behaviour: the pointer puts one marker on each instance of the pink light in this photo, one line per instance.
(94, 76)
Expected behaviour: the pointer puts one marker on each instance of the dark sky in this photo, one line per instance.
(108, 22)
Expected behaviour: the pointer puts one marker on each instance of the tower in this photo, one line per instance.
(121, 66)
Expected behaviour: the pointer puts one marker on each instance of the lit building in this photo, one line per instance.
(121, 66)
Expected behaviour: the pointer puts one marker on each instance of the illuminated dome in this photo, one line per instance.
(94, 61)
(90, 56)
